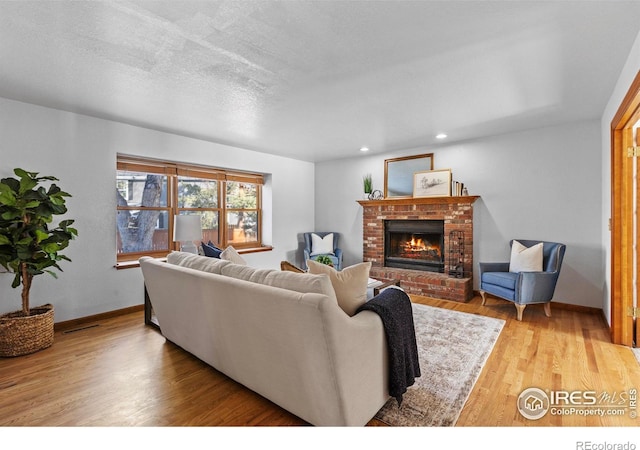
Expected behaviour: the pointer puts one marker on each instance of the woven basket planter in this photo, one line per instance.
(21, 335)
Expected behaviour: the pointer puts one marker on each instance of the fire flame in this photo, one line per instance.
(418, 245)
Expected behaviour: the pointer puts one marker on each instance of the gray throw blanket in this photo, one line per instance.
(394, 308)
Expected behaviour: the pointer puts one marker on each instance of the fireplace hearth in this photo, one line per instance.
(414, 244)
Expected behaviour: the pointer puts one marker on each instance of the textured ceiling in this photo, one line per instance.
(317, 80)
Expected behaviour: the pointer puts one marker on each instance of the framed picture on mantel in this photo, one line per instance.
(398, 174)
(432, 183)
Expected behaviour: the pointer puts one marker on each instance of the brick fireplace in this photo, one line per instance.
(457, 215)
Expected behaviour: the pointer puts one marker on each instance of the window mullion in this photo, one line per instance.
(222, 201)
(173, 202)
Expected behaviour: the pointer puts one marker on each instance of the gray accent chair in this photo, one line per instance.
(524, 288)
(337, 252)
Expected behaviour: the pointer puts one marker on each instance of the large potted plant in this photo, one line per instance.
(29, 247)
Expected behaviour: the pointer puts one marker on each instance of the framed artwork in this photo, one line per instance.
(432, 183)
(398, 174)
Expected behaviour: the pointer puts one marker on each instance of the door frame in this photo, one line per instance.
(621, 295)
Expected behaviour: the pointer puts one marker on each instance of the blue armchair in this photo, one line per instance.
(524, 288)
(335, 256)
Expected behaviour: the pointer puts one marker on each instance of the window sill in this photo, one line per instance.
(131, 264)
(134, 262)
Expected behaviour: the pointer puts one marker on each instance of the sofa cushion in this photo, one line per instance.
(298, 282)
(230, 254)
(246, 273)
(209, 249)
(302, 282)
(525, 259)
(197, 262)
(350, 284)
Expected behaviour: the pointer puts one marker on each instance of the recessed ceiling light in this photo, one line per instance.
(441, 136)
(364, 149)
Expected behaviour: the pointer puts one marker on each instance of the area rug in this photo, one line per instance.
(452, 347)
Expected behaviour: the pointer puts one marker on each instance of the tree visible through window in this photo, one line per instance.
(150, 194)
(143, 213)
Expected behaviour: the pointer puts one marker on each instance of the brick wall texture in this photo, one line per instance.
(457, 216)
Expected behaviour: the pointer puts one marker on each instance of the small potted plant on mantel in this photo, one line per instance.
(367, 184)
(28, 247)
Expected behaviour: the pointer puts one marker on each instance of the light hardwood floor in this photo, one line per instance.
(119, 372)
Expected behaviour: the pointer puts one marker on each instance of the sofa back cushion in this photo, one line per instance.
(298, 282)
(197, 262)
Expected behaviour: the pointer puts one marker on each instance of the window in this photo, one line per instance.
(149, 193)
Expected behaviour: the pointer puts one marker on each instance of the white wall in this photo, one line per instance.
(629, 72)
(81, 152)
(541, 184)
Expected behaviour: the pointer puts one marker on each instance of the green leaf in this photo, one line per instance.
(26, 184)
(4, 240)
(41, 235)
(24, 174)
(7, 196)
(31, 204)
(50, 248)
(25, 241)
(66, 223)
(56, 200)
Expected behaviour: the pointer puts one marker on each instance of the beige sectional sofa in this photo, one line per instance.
(280, 334)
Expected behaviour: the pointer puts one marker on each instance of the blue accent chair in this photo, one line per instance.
(524, 288)
(337, 252)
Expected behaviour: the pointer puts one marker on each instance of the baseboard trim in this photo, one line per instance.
(579, 308)
(75, 323)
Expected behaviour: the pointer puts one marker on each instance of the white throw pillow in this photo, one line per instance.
(525, 259)
(350, 284)
(321, 245)
(230, 254)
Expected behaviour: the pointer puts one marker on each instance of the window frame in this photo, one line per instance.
(173, 170)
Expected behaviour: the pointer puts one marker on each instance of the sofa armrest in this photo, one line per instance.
(360, 355)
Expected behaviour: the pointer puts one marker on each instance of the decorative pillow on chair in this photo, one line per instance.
(230, 254)
(350, 283)
(321, 245)
(211, 250)
(525, 259)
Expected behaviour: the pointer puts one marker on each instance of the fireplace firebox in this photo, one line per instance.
(414, 244)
